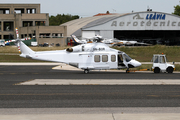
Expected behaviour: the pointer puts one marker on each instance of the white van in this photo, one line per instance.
(2, 43)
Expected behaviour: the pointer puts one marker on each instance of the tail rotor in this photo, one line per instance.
(17, 41)
(17, 33)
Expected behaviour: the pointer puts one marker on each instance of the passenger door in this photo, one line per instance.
(121, 62)
(113, 62)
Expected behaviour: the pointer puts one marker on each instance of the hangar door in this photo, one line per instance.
(171, 35)
(107, 34)
(89, 33)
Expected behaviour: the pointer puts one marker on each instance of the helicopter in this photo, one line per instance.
(90, 56)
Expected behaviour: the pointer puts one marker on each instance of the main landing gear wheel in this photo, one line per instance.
(86, 71)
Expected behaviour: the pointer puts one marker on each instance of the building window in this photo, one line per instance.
(104, 58)
(97, 58)
(30, 35)
(8, 26)
(44, 35)
(113, 58)
(31, 11)
(5, 11)
(19, 10)
(27, 23)
(57, 35)
(40, 23)
(8, 36)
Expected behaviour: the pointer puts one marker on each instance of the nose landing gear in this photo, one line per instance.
(127, 71)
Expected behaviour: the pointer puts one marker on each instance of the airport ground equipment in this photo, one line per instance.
(160, 64)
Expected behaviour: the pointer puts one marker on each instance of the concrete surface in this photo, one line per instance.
(92, 117)
(101, 82)
(152, 113)
(89, 113)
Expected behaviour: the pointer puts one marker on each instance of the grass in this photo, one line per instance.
(177, 67)
(145, 54)
(15, 58)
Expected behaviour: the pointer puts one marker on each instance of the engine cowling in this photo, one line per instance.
(69, 50)
(74, 49)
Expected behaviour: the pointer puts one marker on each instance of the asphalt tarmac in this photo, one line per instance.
(83, 96)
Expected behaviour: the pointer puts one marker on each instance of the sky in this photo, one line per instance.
(88, 8)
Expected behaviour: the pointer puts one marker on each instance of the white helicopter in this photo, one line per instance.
(91, 56)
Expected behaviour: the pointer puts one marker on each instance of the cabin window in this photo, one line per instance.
(104, 58)
(97, 58)
(113, 58)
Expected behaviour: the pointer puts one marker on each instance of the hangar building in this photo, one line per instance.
(147, 26)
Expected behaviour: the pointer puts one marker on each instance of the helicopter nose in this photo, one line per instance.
(135, 63)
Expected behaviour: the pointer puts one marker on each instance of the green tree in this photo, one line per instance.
(176, 10)
(60, 19)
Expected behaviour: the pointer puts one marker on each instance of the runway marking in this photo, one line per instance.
(101, 82)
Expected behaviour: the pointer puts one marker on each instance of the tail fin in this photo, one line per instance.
(24, 49)
(75, 39)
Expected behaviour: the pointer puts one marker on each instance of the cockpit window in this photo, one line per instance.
(126, 57)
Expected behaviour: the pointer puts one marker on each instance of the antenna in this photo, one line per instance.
(148, 8)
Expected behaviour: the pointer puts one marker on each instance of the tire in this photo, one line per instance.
(86, 71)
(156, 70)
(170, 70)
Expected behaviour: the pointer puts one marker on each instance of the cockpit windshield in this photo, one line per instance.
(127, 58)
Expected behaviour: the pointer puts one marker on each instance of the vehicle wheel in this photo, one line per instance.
(86, 71)
(156, 70)
(169, 70)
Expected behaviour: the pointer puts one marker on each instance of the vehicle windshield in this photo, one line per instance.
(126, 57)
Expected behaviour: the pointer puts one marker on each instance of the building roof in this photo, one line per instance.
(74, 26)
